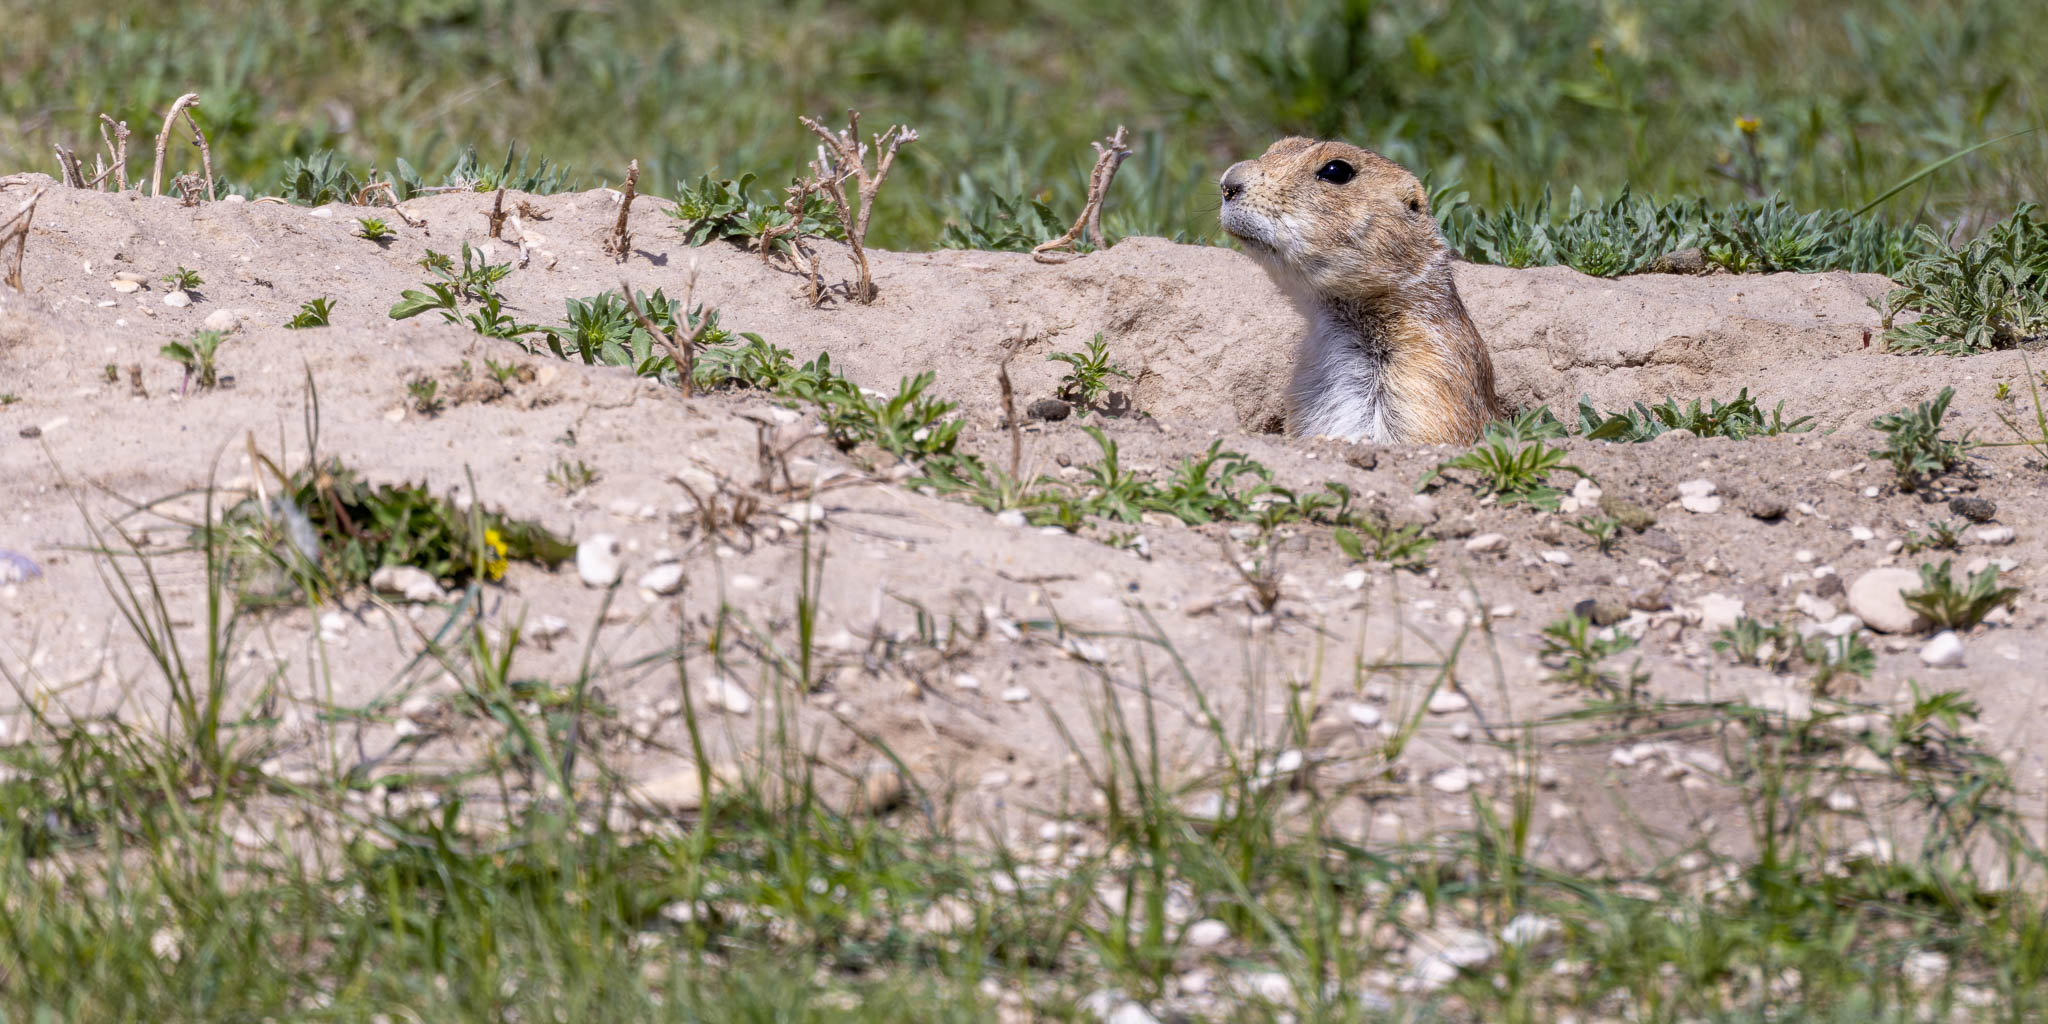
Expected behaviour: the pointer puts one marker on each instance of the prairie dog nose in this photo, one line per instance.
(1234, 181)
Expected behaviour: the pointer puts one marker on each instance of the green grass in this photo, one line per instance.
(1848, 100)
(183, 874)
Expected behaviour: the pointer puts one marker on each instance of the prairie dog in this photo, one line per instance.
(1390, 355)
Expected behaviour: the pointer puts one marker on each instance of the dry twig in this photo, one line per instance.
(117, 150)
(390, 194)
(67, 165)
(1010, 402)
(498, 212)
(845, 157)
(163, 137)
(682, 350)
(16, 230)
(620, 242)
(1107, 160)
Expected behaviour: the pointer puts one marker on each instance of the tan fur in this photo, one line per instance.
(1391, 355)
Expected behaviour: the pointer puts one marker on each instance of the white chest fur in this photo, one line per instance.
(1339, 386)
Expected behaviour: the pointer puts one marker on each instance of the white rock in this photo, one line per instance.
(1819, 609)
(1840, 625)
(1016, 695)
(1719, 611)
(966, 681)
(1924, 967)
(413, 584)
(1451, 780)
(1354, 580)
(1206, 933)
(1558, 557)
(1877, 597)
(125, 286)
(1130, 1013)
(663, 579)
(548, 628)
(1528, 929)
(1487, 543)
(1704, 504)
(333, 624)
(722, 694)
(1586, 491)
(674, 792)
(1010, 517)
(1444, 702)
(177, 299)
(1992, 534)
(599, 561)
(222, 320)
(1944, 651)
(1364, 715)
(1861, 534)
(1461, 731)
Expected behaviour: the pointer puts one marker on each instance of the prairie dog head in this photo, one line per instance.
(1331, 219)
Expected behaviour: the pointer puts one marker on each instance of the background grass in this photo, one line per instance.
(1508, 98)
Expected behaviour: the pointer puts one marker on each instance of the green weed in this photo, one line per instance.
(1988, 293)
(183, 279)
(1514, 473)
(197, 356)
(1739, 418)
(1086, 383)
(1947, 604)
(1574, 649)
(312, 313)
(372, 229)
(1914, 444)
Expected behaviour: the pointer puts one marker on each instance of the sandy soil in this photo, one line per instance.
(1039, 619)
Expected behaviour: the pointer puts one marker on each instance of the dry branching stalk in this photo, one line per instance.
(682, 350)
(1107, 160)
(183, 105)
(845, 157)
(620, 241)
(1010, 402)
(16, 230)
(188, 187)
(498, 212)
(801, 259)
(117, 150)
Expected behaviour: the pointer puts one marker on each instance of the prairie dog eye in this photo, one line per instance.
(1336, 172)
(1414, 205)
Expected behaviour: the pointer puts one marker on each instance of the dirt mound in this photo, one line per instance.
(966, 642)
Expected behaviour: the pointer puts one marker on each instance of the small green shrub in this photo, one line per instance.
(1739, 418)
(1086, 382)
(1402, 547)
(184, 279)
(730, 209)
(571, 477)
(1949, 605)
(1941, 535)
(425, 393)
(1989, 293)
(372, 229)
(1914, 445)
(197, 357)
(312, 313)
(1603, 531)
(1004, 224)
(1573, 649)
(1516, 474)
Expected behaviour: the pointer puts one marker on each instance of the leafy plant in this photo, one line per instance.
(312, 313)
(197, 357)
(571, 477)
(1603, 531)
(1915, 446)
(730, 209)
(372, 229)
(327, 530)
(183, 279)
(1534, 424)
(1402, 547)
(1739, 418)
(602, 331)
(1989, 293)
(1949, 605)
(1943, 535)
(425, 395)
(1086, 382)
(1516, 474)
(1574, 648)
(1004, 224)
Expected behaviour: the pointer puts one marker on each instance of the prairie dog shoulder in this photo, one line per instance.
(1390, 355)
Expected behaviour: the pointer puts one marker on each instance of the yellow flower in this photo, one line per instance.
(1748, 125)
(494, 555)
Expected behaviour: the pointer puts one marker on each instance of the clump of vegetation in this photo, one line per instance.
(1603, 531)
(602, 331)
(312, 313)
(1948, 604)
(1740, 418)
(1401, 547)
(184, 279)
(1941, 535)
(1085, 385)
(1914, 445)
(425, 395)
(572, 477)
(1003, 224)
(325, 530)
(1779, 648)
(372, 229)
(732, 210)
(1514, 473)
(1574, 649)
(1988, 293)
(475, 281)
(197, 356)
